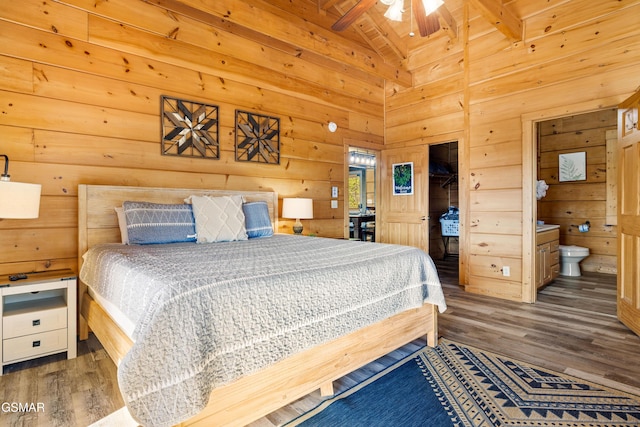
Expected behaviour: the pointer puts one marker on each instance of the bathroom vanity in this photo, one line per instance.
(547, 254)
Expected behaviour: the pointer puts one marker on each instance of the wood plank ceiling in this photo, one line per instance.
(384, 44)
(380, 33)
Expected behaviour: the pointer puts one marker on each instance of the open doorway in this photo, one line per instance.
(576, 195)
(362, 194)
(444, 240)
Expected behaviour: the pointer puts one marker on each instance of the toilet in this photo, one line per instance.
(570, 256)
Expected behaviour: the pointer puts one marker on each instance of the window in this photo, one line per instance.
(357, 190)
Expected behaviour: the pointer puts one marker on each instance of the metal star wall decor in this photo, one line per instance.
(189, 129)
(257, 138)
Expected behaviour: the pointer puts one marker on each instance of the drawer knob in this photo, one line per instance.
(36, 344)
(35, 322)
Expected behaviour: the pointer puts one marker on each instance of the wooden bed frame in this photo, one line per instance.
(254, 396)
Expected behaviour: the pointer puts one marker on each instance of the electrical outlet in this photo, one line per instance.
(334, 192)
(506, 271)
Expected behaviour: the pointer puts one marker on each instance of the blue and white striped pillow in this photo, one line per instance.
(257, 219)
(149, 223)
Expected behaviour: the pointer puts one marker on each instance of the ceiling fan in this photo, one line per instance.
(428, 23)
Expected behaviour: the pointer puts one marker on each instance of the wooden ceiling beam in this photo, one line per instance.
(447, 22)
(326, 4)
(500, 17)
(336, 53)
(352, 14)
(390, 38)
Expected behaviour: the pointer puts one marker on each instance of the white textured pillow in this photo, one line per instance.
(218, 219)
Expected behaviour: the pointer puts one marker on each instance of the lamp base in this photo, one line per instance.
(297, 229)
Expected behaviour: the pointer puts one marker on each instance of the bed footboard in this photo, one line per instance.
(254, 396)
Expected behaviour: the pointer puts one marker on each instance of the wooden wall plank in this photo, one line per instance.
(29, 111)
(16, 75)
(491, 267)
(568, 14)
(496, 155)
(490, 223)
(496, 177)
(623, 51)
(554, 47)
(426, 127)
(48, 16)
(509, 246)
(509, 200)
(20, 146)
(38, 244)
(509, 290)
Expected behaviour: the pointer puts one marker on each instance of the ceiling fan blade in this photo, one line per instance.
(427, 24)
(352, 14)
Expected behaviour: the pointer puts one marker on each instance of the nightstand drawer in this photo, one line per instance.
(34, 345)
(35, 322)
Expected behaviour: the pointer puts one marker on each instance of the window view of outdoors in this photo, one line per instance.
(354, 192)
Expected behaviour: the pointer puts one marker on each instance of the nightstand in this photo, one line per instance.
(38, 316)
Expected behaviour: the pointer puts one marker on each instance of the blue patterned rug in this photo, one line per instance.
(455, 385)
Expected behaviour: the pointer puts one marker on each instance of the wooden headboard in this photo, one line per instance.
(97, 221)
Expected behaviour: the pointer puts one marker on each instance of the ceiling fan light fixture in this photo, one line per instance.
(387, 2)
(394, 12)
(430, 6)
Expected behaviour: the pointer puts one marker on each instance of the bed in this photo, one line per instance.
(302, 357)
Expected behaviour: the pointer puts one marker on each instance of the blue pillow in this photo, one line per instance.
(149, 223)
(257, 220)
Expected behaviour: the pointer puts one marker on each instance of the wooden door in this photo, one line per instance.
(403, 216)
(629, 213)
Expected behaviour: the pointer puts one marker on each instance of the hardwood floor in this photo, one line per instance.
(571, 329)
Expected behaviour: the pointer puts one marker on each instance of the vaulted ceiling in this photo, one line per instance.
(384, 45)
(393, 40)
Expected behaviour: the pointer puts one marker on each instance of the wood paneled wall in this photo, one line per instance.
(80, 84)
(571, 203)
(487, 92)
(80, 87)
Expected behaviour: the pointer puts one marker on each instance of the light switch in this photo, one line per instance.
(334, 191)
(334, 204)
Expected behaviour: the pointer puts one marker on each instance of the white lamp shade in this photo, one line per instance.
(19, 200)
(297, 208)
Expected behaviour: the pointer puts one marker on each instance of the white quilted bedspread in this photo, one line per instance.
(207, 314)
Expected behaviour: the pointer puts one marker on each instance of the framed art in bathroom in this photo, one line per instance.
(572, 167)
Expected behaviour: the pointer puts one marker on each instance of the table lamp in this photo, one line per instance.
(17, 199)
(297, 208)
